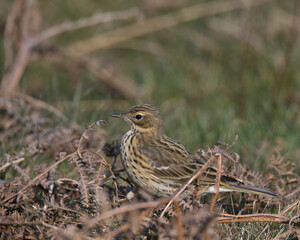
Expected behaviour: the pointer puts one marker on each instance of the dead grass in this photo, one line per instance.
(94, 201)
(56, 182)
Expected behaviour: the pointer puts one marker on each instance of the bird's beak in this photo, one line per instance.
(119, 115)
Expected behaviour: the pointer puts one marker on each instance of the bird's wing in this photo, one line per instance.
(164, 153)
(170, 160)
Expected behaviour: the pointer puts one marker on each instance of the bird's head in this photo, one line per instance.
(143, 118)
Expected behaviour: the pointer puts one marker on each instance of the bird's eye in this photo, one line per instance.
(138, 116)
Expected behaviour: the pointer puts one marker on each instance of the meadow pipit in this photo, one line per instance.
(160, 165)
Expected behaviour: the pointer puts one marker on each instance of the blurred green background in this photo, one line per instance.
(216, 76)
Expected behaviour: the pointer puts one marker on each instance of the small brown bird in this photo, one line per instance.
(160, 165)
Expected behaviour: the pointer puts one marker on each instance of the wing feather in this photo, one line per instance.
(169, 162)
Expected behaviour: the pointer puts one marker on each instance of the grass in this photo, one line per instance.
(211, 78)
(208, 83)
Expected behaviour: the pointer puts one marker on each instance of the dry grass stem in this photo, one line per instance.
(37, 178)
(198, 174)
(86, 22)
(129, 208)
(29, 40)
(11, 163)
(157, 24)
(261, 217)
(289, 208)
(178, 221)
(217, 185)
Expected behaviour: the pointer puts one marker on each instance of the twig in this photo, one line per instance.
(9, 27)
(109, 168)
(16, 67)
(286, 234)
(43, 105)
(49, 226)
(198, 174)
(293, 220)
(86, 22)
(233, 143)
(83, 184)
(11, 78)
(21, 223)
(261, 217)
(289, 208)
(115, 232)
(178, 221)
(84, 135)
(157, 24)
(125, 87)
(217, 185)
(33, 181)
(11, 163)
(64, 209)
(129, 208)
(13, 75)
(261, 232)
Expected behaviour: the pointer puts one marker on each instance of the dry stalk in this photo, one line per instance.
(13, 75)
(86, 22)
(129, 208)
(289, 208)
(178, 221)
(115, 232)
(20, 223)
(125, 88)
(260, 217)
(286, 234)
(29, 41)
(181, 189)
(10, 21)
(11, 163)
(217, 185)
(37, 178)
(40, 104)
(157, 24)
(109, 168)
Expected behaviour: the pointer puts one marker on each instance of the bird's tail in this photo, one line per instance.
(230, 183)
(250, 189)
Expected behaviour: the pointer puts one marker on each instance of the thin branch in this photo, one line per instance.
(37, 178)
(86, 22)
(233, 143)
(43, 105)
(64, 209)
(12, 77)
(8, 32)
(20, 223)
(109, 168)
(261, 217)
(289, 208)
(120, 84)
(217, 185)
(198, 174)
(178, 221)
(115, 232)
(11, 163)
(129, 208)
(109, 76)
(157, 24)
(17, 67)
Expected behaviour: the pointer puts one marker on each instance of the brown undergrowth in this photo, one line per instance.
(95, 199)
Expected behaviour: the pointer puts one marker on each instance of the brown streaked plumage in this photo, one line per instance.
(160, 165)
